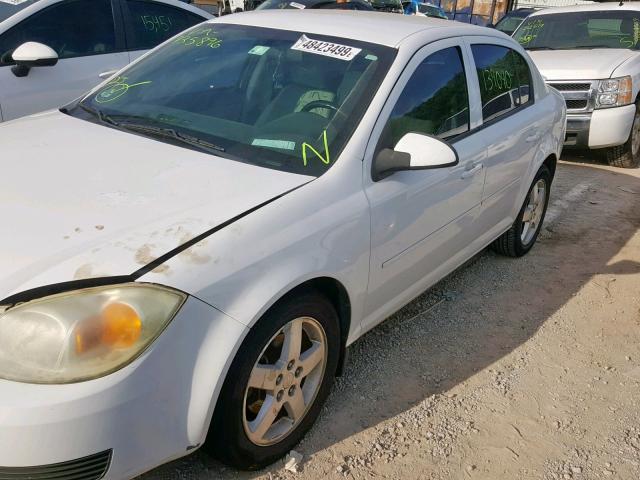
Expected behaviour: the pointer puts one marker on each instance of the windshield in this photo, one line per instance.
(590, 29)
(278, 99)
(509, 23)
(11, 7)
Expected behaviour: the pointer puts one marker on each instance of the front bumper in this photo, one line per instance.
(154, 410)
(601, 128)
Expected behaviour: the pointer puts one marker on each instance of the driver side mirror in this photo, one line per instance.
(414, 151)
(32, 54)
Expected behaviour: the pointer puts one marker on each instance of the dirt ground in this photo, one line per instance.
(508, 369)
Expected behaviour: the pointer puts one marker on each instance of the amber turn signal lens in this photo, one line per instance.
(625, 91)
(122, 325)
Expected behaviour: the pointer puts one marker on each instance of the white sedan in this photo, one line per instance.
(76, 44)
(189, 250)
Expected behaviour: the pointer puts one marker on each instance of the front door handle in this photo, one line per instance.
(471, 172)
(104, 75)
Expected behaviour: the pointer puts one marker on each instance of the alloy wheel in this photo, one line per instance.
(284, 381)
(533, 211)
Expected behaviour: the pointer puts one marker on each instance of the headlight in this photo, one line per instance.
(614, 92)
(83, 334)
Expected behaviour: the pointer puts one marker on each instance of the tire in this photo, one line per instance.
(628, 154)
(230, 437)
(517, 241)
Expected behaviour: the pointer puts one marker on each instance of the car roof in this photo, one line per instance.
(604, 6)
(373, 27)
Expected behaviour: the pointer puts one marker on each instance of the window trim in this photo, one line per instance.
(128, 20)
(118, 33)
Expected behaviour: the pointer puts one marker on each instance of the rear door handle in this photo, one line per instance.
(104, 75)
(471, 172)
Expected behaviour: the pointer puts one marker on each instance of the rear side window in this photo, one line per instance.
(152, 23)
(435, 101)
(505, 80)
(73, 28)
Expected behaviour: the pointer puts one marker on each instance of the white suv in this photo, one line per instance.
(590, 54)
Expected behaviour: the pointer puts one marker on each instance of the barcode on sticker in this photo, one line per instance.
(328, 49)
(267, 142)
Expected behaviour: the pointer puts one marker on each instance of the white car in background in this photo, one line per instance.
(590, 54)
(53, 51)
(194, 244)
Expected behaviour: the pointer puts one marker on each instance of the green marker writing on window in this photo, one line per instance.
(115, 89)
(306, 146)
(200, 38)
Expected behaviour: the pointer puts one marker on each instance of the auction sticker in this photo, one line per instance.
(328, 49)
(297, 5)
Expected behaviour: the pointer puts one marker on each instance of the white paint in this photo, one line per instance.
(425, 151)
(33, 51)
(611, 126)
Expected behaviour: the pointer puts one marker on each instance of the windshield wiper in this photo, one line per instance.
(154, 130)
(589, 47)
(103, 117)
(172, 134)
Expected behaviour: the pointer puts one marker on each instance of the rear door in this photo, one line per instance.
(148, 23)
(88, 42)
(511, 124)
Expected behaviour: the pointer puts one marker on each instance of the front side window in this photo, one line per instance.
(435, 100)
(279, 99)
(74, 28)
(152, 23)
(590, 29)
(505, 80)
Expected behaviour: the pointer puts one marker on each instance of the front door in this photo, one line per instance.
(83, 34)
(423, 221)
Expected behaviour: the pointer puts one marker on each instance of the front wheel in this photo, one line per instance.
(277, 383)
(519, 239)
(628, 154)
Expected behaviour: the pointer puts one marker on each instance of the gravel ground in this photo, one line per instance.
(508, 369)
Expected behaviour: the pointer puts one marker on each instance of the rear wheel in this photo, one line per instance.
(519, 239)
(628, 154)
(277, 383)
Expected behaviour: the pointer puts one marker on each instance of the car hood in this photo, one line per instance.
(580, 64)
(80, 200)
